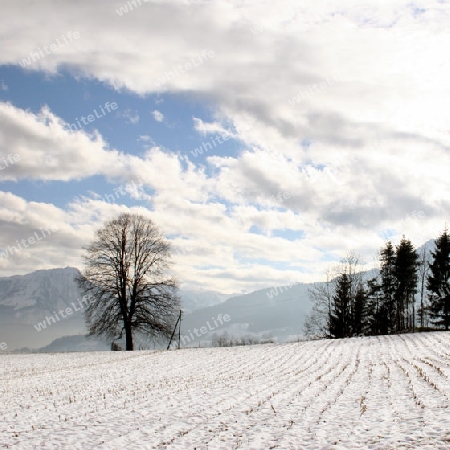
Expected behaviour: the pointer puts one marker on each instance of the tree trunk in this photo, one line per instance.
(423, 269)
(129, 338)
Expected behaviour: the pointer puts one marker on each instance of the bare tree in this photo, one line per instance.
(352, 266)
(220, 340)
(318, 323)
(423, 270)
(125, 277)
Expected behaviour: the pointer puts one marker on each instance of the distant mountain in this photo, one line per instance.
(24, 298)
(428, 246)
(192, 300)
(32, 302)
(76, 343)
(27, 303)
(278, 311)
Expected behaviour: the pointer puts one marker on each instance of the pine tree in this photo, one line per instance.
(406, 264)
(377, 320)
(373, 306)
(388, 285)
(340, 325)
(438, 282)
(327, 313)
(359, 311)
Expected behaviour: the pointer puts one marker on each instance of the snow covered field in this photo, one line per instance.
(381, 392)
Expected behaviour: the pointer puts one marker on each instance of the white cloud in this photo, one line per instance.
(48, 151)
(130, 116)
(159, 116)
(75, 228)
(206, 128)
(356, 158)
(147, 139)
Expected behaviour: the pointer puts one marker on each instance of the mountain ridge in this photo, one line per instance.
(30, 299)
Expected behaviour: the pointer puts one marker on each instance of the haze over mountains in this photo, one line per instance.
(30, 318)
(27, 300)
(28, 303)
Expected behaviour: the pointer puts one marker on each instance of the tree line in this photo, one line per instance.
(128, 277)
(353, 303)
(223, 340)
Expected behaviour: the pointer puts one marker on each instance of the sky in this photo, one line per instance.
(266, 140)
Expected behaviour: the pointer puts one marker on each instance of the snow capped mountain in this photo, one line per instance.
(26, 301)
(24, 298)
(196, 299)
(277, 311)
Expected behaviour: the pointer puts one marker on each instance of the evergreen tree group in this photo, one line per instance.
(350, 306)
(395, 289)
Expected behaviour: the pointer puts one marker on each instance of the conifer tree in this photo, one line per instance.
(340, 325)
(388, 285)
(438, 282)
(406, 264)
(359, 311)
(374, 298)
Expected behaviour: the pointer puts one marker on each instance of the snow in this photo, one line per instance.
(387, 392)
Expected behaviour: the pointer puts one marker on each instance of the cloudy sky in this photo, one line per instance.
(265, 139)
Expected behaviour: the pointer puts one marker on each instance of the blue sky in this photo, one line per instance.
(130, 128)
(285, 189)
